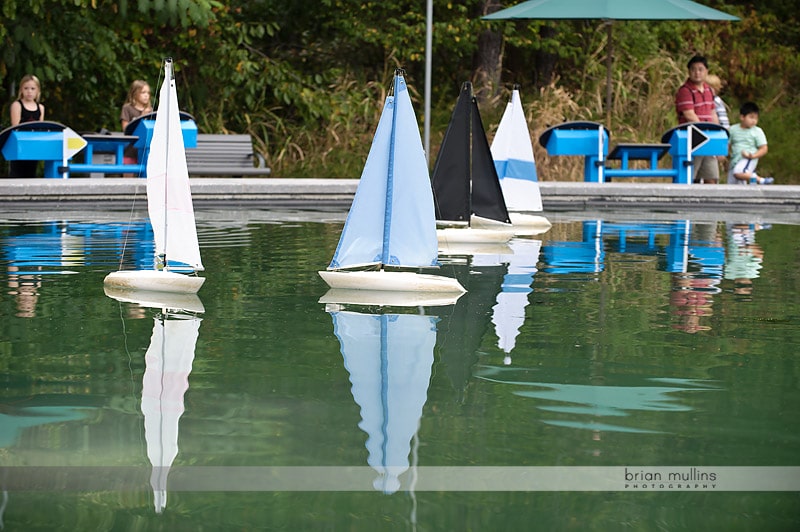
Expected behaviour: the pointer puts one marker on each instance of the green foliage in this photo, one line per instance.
(307, 77)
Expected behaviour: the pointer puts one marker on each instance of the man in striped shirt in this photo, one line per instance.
(694, 102)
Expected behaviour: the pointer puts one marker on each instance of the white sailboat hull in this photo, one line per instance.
(474, 235)
(529, 224)
(474, 248)
(391, 281)
(521, 223)
(154, 281)
(529, 220)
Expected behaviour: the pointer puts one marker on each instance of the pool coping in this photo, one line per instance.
(331, 192)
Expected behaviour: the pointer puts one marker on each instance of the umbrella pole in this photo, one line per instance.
(609, 53)
(428, 67)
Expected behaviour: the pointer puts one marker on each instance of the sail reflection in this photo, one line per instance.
(494, 273)
(168, 363)
(508, 315)
(389, 359)
(462, 329)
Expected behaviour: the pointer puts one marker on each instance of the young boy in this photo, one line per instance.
(748, 144)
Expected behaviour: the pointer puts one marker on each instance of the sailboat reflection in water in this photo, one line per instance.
(508, 315)
(168, 363)
(389, 358)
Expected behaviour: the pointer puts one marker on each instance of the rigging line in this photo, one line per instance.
(155, 95)
(130, 368)
(130, 225)
(136, 189)
(414, 477)
(162, 384)
(170, 89)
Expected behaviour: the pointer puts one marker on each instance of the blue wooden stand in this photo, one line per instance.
(682, 143)
(114, 144)
(579, 138)
(44, 141)
(35, 141)
(142, 129)
(681, 147)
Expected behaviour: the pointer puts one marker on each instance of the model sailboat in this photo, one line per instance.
(513, 159)
(466, 188)
(391, 222)
(169, 205)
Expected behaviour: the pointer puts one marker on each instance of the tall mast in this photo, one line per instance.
(168, 79)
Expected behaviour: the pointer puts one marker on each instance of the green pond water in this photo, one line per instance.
(608, 341)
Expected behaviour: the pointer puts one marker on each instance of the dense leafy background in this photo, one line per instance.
(305, 77)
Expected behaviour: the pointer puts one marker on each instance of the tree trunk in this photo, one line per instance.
(544, 62)
(488, 61)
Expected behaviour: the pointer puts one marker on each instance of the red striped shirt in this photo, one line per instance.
(690, 97)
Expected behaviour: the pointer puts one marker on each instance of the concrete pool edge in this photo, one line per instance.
(556, 195)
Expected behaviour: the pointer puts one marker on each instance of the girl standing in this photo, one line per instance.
(26, 109)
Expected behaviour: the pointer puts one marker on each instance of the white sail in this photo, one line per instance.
(169, 198)
(168, 363)
(169, 204)
(512, 152)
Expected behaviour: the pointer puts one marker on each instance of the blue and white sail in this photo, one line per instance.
(392, 221)
(512, 152)
(389, 358)
(508, 315)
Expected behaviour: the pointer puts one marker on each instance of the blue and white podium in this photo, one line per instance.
(142, 129)
(591, 139)
(35, 141)
(49, 141)
(691, 140)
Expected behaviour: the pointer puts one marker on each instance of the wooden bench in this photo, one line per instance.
(225, 155)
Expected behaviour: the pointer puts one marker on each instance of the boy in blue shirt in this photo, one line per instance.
(747, 145)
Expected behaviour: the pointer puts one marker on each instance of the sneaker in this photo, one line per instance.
(767, 181)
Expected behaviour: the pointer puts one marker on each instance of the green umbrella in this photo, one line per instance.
(610, 10)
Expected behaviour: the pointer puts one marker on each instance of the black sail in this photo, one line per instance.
(451, 173)
(464, 178)
(487, 195)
